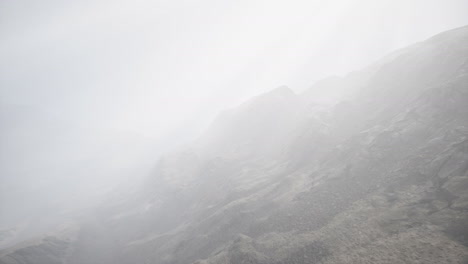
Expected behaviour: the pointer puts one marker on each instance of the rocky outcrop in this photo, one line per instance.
(380, 177)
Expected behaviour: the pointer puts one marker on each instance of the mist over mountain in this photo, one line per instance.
(371, 167)
(52, 170)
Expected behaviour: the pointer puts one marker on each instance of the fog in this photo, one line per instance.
(93, 92)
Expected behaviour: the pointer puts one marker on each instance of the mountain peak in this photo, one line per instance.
(282, 90)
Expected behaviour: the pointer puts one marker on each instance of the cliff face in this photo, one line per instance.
(381, 177)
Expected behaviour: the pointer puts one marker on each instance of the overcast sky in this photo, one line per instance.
(93, 91)
(164, 67)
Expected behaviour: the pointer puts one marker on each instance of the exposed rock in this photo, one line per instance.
(380, 177)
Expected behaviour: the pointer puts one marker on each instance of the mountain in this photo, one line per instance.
(371, 167)
(48, 168)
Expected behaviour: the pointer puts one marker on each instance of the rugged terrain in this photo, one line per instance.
(380, 177)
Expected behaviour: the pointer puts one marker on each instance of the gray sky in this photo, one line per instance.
(91, 92)
(164, 68)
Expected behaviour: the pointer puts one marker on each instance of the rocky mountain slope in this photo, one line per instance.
(380, 177)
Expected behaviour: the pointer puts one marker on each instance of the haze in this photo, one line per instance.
(92, 92)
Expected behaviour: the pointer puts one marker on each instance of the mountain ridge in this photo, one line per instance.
(379, 177)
